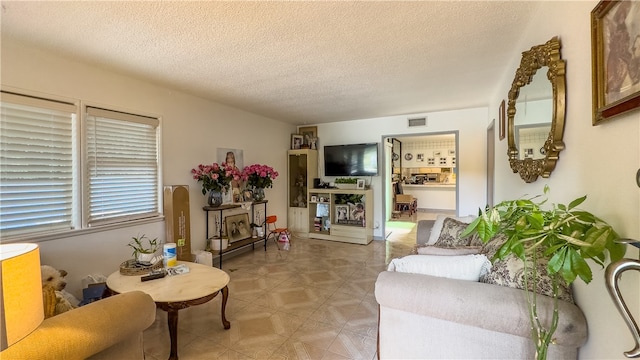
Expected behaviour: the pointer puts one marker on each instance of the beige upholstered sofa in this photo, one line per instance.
(107, 329)
(430, 317)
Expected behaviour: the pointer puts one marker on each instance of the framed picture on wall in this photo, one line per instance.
(360, 184)
(235, 158)
(615, 58)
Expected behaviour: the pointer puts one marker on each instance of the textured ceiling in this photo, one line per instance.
(300, 62)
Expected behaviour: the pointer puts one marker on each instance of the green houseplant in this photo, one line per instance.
(346, 181)
(562, 233)
(144, 248)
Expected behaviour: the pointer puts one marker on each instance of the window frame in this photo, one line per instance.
(80, 185)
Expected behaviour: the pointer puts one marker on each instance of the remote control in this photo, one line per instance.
(153, 276)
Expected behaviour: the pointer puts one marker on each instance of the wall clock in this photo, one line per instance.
(395, 157)
(408, 156)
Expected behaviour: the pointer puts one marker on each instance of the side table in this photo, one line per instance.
(173, 293)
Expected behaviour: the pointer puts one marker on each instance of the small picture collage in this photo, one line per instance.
(306, 138)
(350, 214)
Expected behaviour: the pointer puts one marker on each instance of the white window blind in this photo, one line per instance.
(37, 161)
(121, 166)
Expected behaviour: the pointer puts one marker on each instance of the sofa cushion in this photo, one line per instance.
(436, 228)
(465, 267)
(450, 235)
(510, 272)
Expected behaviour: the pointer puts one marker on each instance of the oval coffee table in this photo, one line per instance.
(172, 293)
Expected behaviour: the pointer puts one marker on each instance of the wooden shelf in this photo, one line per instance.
(236, 244)
(350, 231)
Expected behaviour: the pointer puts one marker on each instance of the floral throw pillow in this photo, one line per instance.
(510, 272)
(450, 235)
(493, 245)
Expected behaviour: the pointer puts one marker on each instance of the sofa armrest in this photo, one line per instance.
(87, 330)
(486, 306)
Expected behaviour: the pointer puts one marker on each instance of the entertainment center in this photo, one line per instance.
(332, 213)
(341, 215)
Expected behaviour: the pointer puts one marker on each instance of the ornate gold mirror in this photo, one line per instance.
(536, 112)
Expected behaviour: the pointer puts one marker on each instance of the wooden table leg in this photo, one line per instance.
(172, 319)
(225, 296)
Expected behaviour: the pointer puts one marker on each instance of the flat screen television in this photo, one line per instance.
(351, 160)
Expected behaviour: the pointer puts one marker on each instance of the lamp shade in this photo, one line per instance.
(21, 308)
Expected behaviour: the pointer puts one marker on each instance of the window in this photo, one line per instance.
(36, 165)
(56, 178)
(122, 166)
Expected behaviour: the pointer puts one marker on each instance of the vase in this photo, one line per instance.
(258, 194)
(215, 198)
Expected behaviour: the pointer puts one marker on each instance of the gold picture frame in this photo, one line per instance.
(308, 133)
(501, 121)
(613, 47)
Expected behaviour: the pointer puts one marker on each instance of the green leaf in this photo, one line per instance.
(470, 229)
(557, 260)
(598, 238)
(616, 250)
(536, 220)
(578, 266)
(577, 202)
(573, 241)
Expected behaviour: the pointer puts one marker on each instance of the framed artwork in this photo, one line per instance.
(501, 121)
(296, 141)
(234, 157)
(420, 158)
(360, 184)
(309, 134)
(342, 213)
(247, 195)
(237, 227)
(615, 58)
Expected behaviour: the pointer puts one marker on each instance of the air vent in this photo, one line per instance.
(418, 122)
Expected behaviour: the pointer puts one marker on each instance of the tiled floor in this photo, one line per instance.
(314, 301)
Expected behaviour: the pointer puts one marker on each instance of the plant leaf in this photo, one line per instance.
(577, 202)
(573, 241)
(557, 260)
(616, 250)
(578, 266)
(471, 227)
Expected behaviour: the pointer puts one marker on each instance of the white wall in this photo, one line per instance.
(471, 156)
(192, 130)
(600, 162)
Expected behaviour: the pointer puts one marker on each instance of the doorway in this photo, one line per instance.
(424, 166)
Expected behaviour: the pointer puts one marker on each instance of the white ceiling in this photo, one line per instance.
(300, 62)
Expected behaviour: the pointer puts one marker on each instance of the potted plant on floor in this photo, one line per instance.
(563, 234)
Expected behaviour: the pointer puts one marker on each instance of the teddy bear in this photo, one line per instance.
(56, 299)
